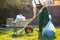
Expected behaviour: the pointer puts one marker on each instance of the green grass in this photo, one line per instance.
(7, 35)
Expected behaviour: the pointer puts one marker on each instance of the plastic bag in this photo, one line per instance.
(49, 30)
(19, 17)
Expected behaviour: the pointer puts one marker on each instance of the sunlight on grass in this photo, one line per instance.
(32, 36)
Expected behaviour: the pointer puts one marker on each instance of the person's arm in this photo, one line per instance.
(34, 9)
(34, 12)
(44, 5)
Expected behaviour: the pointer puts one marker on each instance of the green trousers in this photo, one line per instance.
(43, 17)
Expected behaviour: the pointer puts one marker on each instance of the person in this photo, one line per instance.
(40, 5)
(20, 17)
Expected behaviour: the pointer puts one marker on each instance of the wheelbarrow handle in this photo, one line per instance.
(36, 15)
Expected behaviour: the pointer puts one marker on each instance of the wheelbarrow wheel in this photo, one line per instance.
(28, 30)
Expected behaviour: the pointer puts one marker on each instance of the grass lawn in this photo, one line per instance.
(7, 35)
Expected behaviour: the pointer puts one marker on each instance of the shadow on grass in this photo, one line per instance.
(2, 32)
(20, 35)
(45, 38)
(15, 35)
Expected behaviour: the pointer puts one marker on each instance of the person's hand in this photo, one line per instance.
(40, 10)
(34, 16)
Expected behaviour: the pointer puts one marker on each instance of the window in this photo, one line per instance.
(50, 2)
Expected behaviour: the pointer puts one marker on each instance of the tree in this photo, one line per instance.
(10, 8)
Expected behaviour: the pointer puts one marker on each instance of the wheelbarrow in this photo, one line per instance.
(21, 24)
(24, 24)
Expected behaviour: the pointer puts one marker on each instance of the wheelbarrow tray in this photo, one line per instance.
(23, 23)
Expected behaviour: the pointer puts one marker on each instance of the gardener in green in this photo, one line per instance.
(40, 5)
